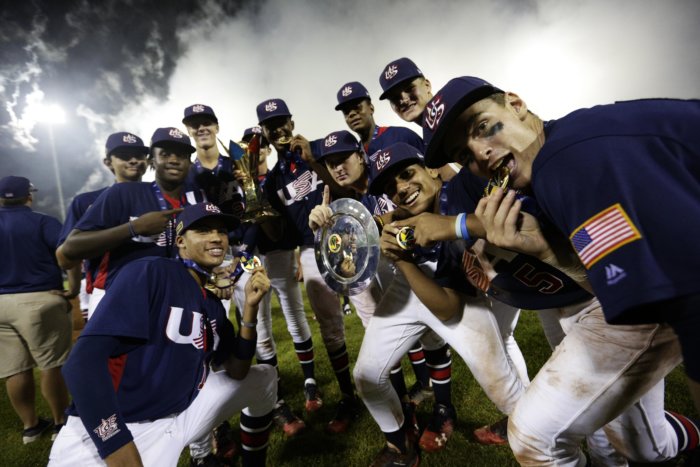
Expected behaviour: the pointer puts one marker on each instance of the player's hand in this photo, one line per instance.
(257, 286)
(507, 227)
(320, 216)
(299, 273)
(153, 222)
(390, 247)
(241, 176)
(429, 228)
(223, 284)
(302, 146)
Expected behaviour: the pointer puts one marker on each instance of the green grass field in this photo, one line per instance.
(358, 446)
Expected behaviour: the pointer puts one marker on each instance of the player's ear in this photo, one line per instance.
(428, 85)
(292, 122)
(434, 173)
(107, 161)
(518, 105)
(180, 241)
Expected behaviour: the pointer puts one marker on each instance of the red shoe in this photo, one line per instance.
(313, 396)
(439, 429)
(344, 415)
(285, 418)
(496, 433)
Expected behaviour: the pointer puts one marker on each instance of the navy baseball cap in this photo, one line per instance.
(125, 142)
(248, 133)
(447, 105)
(199, 110)
(12, 187)
(350, 92)
(272, 108)
(388, 160)
(197, 212)
(338, 142)
(172, 138)
(396, 73)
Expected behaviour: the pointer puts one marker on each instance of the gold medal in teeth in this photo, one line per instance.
(500, 179)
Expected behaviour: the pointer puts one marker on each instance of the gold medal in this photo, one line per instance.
(335, 241)
(405, 238)
(499, 180)
(250, 264)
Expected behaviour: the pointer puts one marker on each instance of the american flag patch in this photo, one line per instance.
(602, 234)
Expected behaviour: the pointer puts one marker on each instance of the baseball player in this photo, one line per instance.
(405, 311)
(356, 105)
(125, 157)
(408, 90)
(254, 241)
(489, 130)
(294, 189)
(35, 320)
(133, 220)
(159, 364)
(345, 161)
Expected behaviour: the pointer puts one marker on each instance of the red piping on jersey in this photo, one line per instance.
(116, 367)
(101, 277)
(380, 130)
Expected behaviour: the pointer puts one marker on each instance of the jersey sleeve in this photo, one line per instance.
(107, 211)
(449, 273)
(125, 309)
(619, 200)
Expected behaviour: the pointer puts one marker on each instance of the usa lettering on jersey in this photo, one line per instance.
(198, 330)
(299, 188)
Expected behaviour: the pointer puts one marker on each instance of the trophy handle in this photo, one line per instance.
(257, 207)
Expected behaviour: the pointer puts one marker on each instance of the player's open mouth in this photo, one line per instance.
(409, 200)
(216, 251)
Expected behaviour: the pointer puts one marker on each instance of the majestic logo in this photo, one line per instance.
(330, 141)
(614, 274)
(175, 133)
(271, 106)
(107, 428)
(391, 71)
(382, 160)
(129, 138)
(197, 108)
(347, 90)
(434, 113)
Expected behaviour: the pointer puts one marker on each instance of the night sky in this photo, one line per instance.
(120, 65)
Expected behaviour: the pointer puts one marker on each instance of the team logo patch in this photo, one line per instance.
(256, 130)
(129, 138)
(107, 428)
(347, 90)
(330, 141)
(175, 133)
(212, 208)
(602, 234)
(434, 113)
(390, 71)
(271, 106)
(334, 243)
(197, 108)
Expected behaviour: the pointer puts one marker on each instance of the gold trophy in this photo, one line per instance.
(257, 207)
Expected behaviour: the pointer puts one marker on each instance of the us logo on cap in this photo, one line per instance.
(175, 133)
(391, 71)
(271, 106)
(127, 138)
(330, 141)
(434, 113)
(198, 108)
(347, 90)
(212, 208)
(382, 160)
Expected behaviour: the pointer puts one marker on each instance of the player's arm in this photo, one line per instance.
(320, 216)
(91, 243)
(442, 302)
(87, 376)
(431, 228)
(508, 227)
(238, 364)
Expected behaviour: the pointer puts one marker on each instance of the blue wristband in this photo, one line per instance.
(463, 227)
(245, 348)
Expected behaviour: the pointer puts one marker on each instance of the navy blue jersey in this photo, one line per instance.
(121, 203)
(293, 190)
(28, 251)
(177, 327)
(622, 181)
(385, 136)
(218, 185)
(77, 208)
(521, 280)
